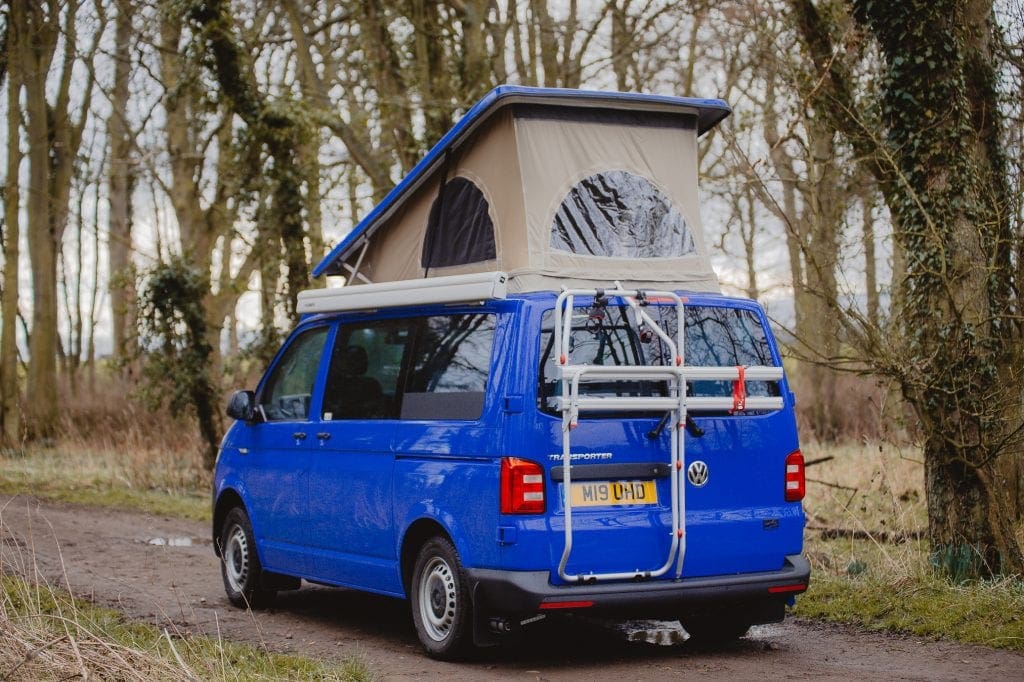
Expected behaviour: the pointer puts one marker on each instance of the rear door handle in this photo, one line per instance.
(299, 435)
(323, 435)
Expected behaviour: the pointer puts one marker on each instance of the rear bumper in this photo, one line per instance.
(530, 591)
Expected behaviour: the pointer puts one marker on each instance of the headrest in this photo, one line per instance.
(354, 361)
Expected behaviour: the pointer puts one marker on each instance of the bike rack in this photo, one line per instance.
(677, 404)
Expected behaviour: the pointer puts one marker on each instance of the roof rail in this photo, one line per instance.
(480, 286)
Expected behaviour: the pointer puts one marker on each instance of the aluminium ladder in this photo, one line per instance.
(677, 404)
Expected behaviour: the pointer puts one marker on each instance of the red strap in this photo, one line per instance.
(739, 391)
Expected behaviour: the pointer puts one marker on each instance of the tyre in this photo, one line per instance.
(440, 601)
(715, 628)
(240, 565)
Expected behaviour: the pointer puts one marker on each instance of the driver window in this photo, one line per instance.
(289, 391)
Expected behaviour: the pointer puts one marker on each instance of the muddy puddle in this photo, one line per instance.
(182, 541)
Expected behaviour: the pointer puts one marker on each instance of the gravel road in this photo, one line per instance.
(164, 571)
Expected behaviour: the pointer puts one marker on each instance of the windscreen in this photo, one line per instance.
(714, 337)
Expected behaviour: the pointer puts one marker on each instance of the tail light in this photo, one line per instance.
(795, 483)
(522, 486)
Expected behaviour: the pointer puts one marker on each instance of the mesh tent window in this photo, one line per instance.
(618, 214)
(459, 229)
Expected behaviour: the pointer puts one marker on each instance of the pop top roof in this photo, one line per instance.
(709, 112)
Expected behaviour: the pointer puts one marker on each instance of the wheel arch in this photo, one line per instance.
(229, 499)
(417, 534)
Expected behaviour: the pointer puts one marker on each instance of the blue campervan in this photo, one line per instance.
(529, 396)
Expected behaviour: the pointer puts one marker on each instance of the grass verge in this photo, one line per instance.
(866, 515)
(990, 613)
(48, 634)
(106, 478)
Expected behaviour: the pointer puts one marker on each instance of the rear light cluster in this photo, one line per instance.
(522, 486)
(795, 483)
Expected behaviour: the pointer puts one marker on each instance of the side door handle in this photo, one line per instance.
(323, 435)
(299, 435)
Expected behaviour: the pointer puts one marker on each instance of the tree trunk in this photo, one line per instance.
(812, 209)
(384, 64)
(54, 141)
(10, 409)
(37, 47)
(824, 203)
(119, 231)
(279, 129)
(867, 236)
(944, 135)
(748, 232)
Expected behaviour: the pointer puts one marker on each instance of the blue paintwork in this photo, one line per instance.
(710, 113)
(337, 510)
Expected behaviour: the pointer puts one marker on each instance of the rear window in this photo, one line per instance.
(714, 336)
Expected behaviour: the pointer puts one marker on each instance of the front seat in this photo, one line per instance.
(350, 394)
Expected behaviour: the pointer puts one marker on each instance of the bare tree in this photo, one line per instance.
(121, 183)
(53, 141)
(10, 410)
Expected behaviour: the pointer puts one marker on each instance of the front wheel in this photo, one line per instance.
(440, 601)
(240, 565)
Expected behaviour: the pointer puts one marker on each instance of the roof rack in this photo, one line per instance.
(481, 286)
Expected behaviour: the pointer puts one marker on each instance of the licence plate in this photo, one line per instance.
(613, 493)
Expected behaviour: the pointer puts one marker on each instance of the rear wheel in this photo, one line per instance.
(240, 565)
(440, 600)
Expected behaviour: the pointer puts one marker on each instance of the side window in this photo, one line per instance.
(451, 361)
(366, 364)
(288, 391)
(415, 368)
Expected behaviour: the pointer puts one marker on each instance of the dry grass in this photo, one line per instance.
(873, 488)
(109, 429)
(48, 634)
(867, 517)
(112, 451)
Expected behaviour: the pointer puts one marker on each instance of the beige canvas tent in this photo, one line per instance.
(553, 187)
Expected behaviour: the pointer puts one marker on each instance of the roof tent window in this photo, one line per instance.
(618, 214)
(459, 229)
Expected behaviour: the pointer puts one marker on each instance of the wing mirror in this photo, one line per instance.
(242, 406)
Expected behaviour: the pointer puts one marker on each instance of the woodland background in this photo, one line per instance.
(174, 168)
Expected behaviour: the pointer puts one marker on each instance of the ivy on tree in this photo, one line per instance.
(174, 348)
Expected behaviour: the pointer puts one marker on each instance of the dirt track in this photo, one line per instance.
(107, 556)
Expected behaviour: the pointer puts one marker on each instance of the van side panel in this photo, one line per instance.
(460, 494)
(351, 527)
